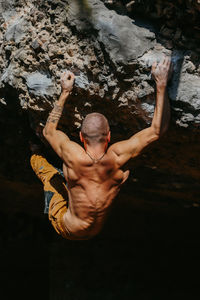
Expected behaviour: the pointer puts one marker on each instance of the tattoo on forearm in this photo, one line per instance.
(52, 119)
(57, 108)
(56, 113)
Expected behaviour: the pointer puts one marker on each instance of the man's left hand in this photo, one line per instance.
(67, 81)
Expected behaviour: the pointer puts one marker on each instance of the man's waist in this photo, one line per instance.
(82, 227)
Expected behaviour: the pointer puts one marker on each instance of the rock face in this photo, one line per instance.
(111, 53)
(180, 23)
(123, 43)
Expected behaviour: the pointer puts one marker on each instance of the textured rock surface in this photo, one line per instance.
(122, 39)
(180, 22)
(111, 55)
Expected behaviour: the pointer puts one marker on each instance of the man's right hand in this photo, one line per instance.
(161, 72)
(67, 81)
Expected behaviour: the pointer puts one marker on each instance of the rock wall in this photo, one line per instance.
(110, 48)
(178, 21)
(111, 55)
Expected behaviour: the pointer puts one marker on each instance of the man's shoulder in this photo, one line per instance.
(121, 152)
(72, 146)
(72, 151)
(117, 147)
(114, 152)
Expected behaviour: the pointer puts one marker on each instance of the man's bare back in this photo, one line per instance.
(92, 188)
(93, 173)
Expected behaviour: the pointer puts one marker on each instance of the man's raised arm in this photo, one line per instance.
(55, 137)
(133, 146)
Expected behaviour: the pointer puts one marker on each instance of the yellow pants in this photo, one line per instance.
(53, 182)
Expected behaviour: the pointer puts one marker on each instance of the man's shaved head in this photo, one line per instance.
(95, 128)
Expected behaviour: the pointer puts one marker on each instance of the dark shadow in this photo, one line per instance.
(84, 8)
(15, 133)
(177, 59)
(58, 183)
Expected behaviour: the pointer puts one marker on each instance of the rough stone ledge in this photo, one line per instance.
(110, 55)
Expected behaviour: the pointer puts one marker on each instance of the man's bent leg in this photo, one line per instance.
(58, 205)
(42, 169)
(55, 188)
(57, 209)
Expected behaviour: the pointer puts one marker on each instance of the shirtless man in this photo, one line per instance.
(93, 174)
